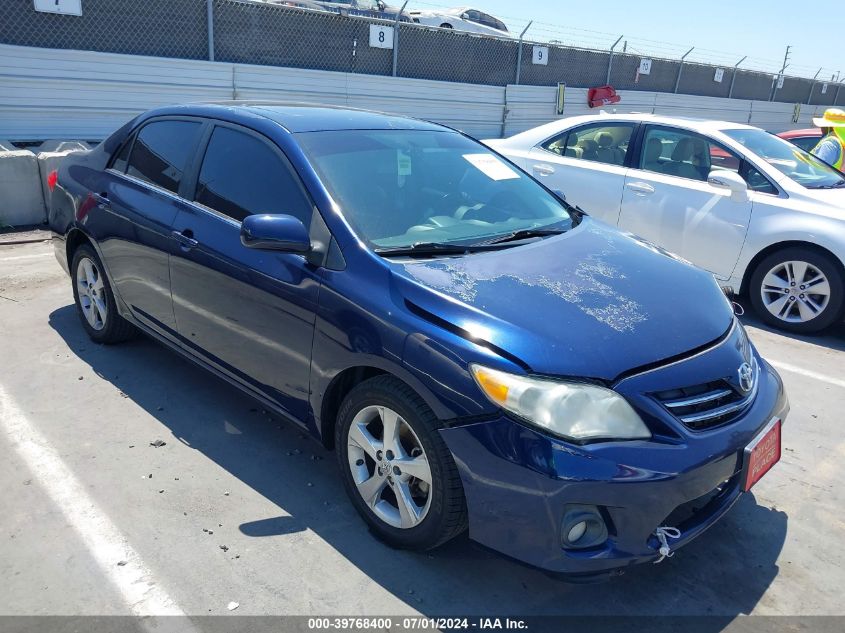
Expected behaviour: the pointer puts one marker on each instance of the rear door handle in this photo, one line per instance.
(544, 170)
(185, 238)
(640, 188)
(101, 199)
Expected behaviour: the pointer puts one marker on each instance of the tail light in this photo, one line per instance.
(52, 179)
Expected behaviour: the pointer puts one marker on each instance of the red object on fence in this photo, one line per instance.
(603, 95)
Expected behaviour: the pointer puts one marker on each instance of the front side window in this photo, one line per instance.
(789, 159)
(161, 152)
(398, 188)
(676, 152)
(603, 143)
(242, 175)
(680, 153)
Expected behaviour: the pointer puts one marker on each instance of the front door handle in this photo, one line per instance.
(185, 238)
(544, 170)
(640, 188)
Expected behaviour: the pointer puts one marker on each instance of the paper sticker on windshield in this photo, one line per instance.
(404, 163)
(491, 166)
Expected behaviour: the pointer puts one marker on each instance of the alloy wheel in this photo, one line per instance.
(795, 291)
(389, 467)
(91, 292)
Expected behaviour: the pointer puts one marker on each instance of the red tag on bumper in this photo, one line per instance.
(762, 454)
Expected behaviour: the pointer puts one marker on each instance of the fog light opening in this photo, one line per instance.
(582, 527)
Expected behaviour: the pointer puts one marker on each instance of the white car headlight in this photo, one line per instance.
(575, 410)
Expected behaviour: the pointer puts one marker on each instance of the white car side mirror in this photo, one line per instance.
(723, 179)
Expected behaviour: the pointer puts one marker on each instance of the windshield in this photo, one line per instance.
(802, 167)
(398, 188)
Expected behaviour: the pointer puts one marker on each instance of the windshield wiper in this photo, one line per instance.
(429, 249)
(525, 234)
(837, 185)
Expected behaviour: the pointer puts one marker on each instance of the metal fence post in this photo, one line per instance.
(396, 38)
(733, 78)
(681, 68)
(610, 60)
(813, 87)
(209, 6)
(781, 73)
(519, 52)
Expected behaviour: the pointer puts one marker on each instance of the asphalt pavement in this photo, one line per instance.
(238, 512)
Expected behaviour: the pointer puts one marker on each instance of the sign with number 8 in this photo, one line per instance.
(381, 36)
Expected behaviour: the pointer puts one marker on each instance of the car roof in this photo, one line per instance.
(301, 117)
(695, 123)
(548, 130)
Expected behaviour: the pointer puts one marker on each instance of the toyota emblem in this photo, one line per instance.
(746, 377)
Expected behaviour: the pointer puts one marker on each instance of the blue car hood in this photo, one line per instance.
(592, 302)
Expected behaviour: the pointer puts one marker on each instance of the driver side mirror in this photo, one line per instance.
(723, 179)
(283, 233)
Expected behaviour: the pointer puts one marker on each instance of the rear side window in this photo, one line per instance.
(122, 158)
(242, 175)
(604, 143)
(161, 152)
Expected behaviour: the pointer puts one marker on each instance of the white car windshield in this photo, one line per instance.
(398, 188)
(789, 159)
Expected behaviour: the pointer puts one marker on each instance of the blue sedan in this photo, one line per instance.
(479, 354)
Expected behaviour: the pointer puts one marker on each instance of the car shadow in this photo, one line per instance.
(723, 573)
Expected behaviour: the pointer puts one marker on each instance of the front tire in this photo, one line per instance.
(95, 301)
(396, 468)
(798, 290)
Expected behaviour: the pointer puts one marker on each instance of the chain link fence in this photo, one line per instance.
(161, 28)
(254, 32)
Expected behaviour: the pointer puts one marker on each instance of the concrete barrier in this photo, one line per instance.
(47, 162)
(21, 196)
(60, 146)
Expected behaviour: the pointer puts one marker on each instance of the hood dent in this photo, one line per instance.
(588, 289)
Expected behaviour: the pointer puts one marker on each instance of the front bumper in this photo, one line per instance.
(518, 482)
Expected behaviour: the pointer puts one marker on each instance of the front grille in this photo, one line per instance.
(707, 405)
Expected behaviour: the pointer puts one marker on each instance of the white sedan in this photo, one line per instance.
(462, 19)
(764, 216)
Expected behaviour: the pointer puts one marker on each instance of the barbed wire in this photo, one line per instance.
(547, 32)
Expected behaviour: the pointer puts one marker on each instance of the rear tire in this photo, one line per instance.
(385, 474)
(95, 303)
(798, 290)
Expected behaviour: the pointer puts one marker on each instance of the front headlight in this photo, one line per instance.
(574, 410)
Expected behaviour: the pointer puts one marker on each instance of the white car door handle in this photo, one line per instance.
(544, 170)
(640, 188)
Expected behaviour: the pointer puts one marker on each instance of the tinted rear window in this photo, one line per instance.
(161, 152)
